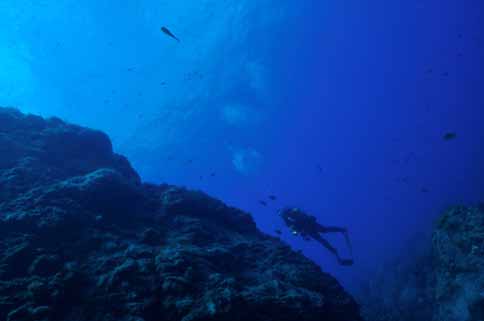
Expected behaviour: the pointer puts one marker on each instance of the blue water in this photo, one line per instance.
(338, 107)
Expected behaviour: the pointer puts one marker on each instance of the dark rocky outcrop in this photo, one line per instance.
(402, 289)
(82, 238)
(458, 246)
(441, 279)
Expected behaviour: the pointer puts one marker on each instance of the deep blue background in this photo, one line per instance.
(338, 107)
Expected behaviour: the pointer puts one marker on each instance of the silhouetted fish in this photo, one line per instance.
(169, 33)
(272, 197)
(263, 203)
(409, 157)
(450, 136)
(278, 232)
(403, 179)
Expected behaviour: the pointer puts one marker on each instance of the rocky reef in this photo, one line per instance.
(82, 238)
(458, 248)
(439, 279)
(401, 289)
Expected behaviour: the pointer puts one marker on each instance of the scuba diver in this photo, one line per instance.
(308, 228)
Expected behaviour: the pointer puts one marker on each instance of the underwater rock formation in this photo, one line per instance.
(440, 280)
(458, 247)
(82, 238)
(401, 289)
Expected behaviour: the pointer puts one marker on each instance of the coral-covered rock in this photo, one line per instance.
(35, 152)
(442, 280)
(81, 238)
(458, 244)
(403, 288)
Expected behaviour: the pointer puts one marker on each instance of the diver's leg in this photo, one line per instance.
(326, 244)
(333, 250)
(342, 230)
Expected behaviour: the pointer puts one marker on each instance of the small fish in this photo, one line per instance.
(450, 136)
(212, 174)
(278, 232)
(272, 197)
(409, 157)
(263, 203)
(424, 190)
(169, 33)
(403, 179)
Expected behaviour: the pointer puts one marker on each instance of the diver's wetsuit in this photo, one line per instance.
(307, 226)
